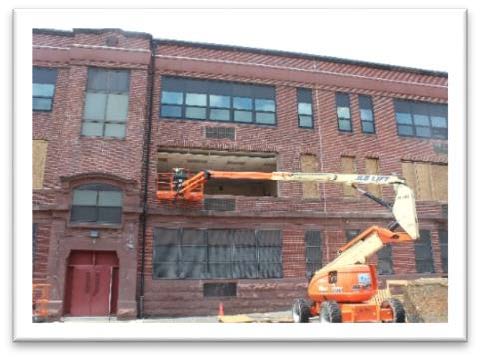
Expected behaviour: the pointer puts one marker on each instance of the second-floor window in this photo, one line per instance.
(209, 100)
(366, 114)
(97, 203)
(420, 119)
(304, 108)
(106, 103)
(44, 80)
(343, 112)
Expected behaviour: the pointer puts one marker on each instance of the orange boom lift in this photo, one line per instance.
(339, 291)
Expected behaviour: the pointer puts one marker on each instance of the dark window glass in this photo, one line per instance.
(366, 114)
(242, 103)
(217, 101)
(443, 239)
(313, 251)
(343, 112)
(304, 108)
(96, 203)
(43, 91)
(198, 113)
(351, 234)
(242, 116)
(419, 119)
(174, 98)
(384, 260)
(106, 103)
(423, 253)
(217, 253)
(171, 111)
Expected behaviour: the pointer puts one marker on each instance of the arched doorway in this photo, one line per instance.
(91, 287)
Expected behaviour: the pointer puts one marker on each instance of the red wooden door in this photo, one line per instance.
(100, 293)
(80, 286)
(92, 284)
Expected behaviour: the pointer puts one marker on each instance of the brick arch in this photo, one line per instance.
(100, 177)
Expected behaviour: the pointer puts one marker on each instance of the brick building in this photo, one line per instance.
(113, 110)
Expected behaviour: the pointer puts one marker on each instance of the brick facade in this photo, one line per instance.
(73, 159)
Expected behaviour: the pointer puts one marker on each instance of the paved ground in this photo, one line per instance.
(257, 317)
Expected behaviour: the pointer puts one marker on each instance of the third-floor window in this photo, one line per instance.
(106, 103)
(223, 101)
(421, 119)
(343, 112)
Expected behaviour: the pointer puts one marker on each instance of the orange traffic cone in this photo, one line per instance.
(220, 310)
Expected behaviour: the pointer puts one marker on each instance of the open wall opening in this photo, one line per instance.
(198, 160)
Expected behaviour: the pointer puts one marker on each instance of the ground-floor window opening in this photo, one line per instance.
(217, 253)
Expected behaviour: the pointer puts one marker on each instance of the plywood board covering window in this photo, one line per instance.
(428, 180)
(348, 166)
(440, 182)
(372, 167)
(39, 157)
(308, 163)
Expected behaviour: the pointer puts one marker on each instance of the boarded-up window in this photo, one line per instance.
(424, 183)
(39, 157)
(423, 253)
(313, 251)
(428, 180)
(440, 182)
(308, 163)
(348, 166)
(408, 171)
(217, 253)
(372, 167)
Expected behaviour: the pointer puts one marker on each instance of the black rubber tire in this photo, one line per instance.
(330, 312)
(397, 309)
(301, 311)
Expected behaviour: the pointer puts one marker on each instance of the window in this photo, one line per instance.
(384, 260)
(106, 103)
(308, 163)
(423, 253)
(348, 166)
(217, 253)
(420, 119)
(366, 114)
(443, 239)
(39, 159)
(343, 112)
(97, 203)
(43, 91)
(372, 167)
(313, 251)
(304, 108)
(217, 101)
(351, 234)
(428, 180)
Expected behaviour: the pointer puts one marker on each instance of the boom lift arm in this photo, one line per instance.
(191, 188)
